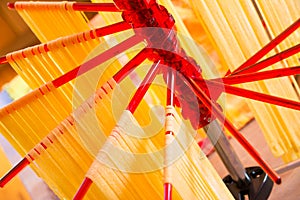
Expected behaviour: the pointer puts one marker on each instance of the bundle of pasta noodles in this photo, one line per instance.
(185, 165)
(54, 20)
(60, 126)
(237, 30)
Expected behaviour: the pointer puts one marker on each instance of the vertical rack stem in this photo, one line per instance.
(170, 102)
(226, 153)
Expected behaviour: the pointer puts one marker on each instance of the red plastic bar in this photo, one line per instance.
(86, 7)
(168, 191)
(257, 76)
(13, 172)
(97, 60)
(271, 45)
(100, 32)
(238, 136)
(3, 60)
(143, 88)
(170, 102)
(269, 61)
(171, 87)
(95, 7)
(132, 64)
(84, 187)
(257, 96)
(113, 28)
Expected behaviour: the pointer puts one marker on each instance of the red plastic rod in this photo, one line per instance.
(168, 191)
(94, 62)
(170, 102)
(13, 172)
(270, 61)
(271, 45)
(83, 189)
(86, 7)
(238, 136)
(256, 95)
(131, 65)
(100, 32)
(95, 7)
(171, 87)
(257, 76)
(143, 88)
(3, 60)
(113, 28)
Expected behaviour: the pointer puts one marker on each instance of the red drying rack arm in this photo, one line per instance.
(238, 136)
(271, 45)
(86, 7)
(83, 189)
(114, 28)
(256, 95)
(143, 88)
(3, 60)
(257, 76)
(131, 65)
(101, 58)
(170, 87)
(270, 61)
(167, 191)
(14, 171)
(100, 32)
(95, 7)
(170, 102)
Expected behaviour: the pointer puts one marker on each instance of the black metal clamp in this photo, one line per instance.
(252, 181)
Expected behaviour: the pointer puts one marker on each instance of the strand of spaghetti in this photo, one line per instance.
(99, 32)
(3, 60)
(257, 76)
(261, 53)
(238, 136)
(270, 61)
(95, 7)
(143, 88)
(133, 104)
(81, 6)
(20, 166)
(169, 137)
(256, 95)
(118, 77)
